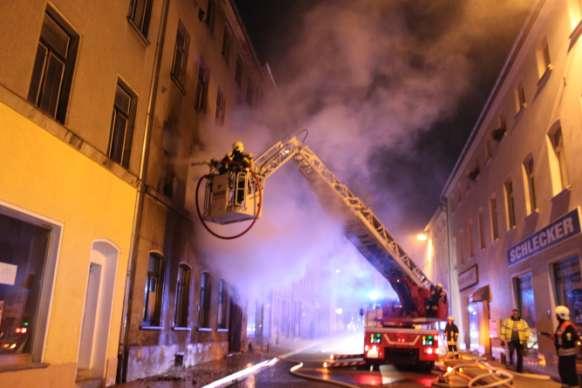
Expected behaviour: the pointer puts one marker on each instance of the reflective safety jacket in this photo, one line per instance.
(452, 333)
(566, 339)
(522, 328)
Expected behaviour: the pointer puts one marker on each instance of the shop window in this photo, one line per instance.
(121, 132)
(509, 204)
(52, 74)
(154, 288)
(178, 72)
(139, 15)
(201, 95)
(26, 269)
(525, 302)
(204, 302)
(557, 160)
(568, 286)
(493, 218)
(529, 183)
(182, 296)
(223, 305)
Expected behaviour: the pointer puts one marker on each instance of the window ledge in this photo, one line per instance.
(24, 366)
(565, 191)
(532, 214)
(142, 38)
(181, 328)
(205, 329)
(147, 327)
(222, 330)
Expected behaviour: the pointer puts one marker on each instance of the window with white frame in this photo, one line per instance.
(543, 59)
(509, 204)
(558, 170)
(529, 184)
(481, 229)
(493, 215)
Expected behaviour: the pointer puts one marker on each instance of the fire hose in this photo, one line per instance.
(256, 209)
(475, 373)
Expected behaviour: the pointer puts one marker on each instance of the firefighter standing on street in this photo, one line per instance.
(566, 340)
(452, 334)
(515, 332)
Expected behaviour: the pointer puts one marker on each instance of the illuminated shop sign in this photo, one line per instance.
(561, 229)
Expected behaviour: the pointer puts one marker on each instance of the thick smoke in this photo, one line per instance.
(363, 76)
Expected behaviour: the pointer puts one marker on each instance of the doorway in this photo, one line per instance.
(479, 340)
(97, 314)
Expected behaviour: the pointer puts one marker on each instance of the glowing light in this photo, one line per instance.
(374, 295)
(429, 350)
(339, 311)
(373, 352)
(421, 237)
(338, 270)
(325, 364)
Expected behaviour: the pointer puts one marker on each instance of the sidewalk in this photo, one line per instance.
(199, 375)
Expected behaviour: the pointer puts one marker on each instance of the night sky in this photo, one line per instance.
(423, 167)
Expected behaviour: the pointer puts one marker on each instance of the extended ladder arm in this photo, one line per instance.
(362, 226)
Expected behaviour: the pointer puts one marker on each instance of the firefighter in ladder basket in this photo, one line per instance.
(236, 161)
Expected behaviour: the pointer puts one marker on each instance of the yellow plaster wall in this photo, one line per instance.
(46, 177)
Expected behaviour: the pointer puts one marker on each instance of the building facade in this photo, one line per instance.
(102, 107)
(73, 91)
(513, 200)
(180, 312)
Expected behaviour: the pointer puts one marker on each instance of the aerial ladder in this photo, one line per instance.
(237, 196)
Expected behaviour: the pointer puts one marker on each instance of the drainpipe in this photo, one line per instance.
(123, 351)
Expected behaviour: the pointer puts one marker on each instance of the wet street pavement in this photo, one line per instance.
(276, 365)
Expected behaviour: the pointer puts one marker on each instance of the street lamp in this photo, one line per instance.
(422, 237)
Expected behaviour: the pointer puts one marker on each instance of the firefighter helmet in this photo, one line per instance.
(563, 312)
(238, 146)
(450, 318)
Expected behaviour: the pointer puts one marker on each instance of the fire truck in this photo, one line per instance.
(400, 334)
